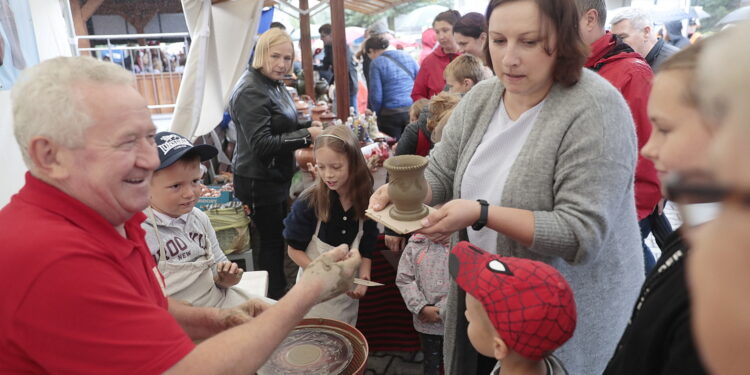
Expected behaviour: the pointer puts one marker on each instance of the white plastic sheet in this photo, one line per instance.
(222, 38)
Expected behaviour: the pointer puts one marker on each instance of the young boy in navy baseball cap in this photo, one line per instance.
(519, 310)
(180, 236)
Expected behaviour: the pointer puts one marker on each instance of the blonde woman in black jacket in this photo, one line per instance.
(267, 135)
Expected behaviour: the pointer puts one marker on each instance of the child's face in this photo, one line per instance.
(175, 189)
(481, 332)
(333, 169)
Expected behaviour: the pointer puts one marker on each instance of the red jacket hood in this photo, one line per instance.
(609, 48)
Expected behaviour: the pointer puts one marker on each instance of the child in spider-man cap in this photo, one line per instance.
(519, 310)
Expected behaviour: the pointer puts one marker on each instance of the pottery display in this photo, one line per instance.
(407, 187)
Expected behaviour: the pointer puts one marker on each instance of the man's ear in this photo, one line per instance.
(499, 348)
(49, 158)
(591, 17)
(646, 31)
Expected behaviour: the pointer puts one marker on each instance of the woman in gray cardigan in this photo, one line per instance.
(552, 148)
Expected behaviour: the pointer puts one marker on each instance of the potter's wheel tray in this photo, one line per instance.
(310, 350)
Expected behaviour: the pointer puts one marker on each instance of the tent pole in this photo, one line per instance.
(305, 46)
(340, 68)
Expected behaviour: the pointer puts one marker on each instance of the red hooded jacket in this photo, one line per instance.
(629, 72)
(430, 79)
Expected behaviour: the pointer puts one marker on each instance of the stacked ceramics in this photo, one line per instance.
(327, 118)
(319, 110)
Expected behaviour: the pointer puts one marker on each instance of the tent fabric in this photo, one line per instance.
(222, 36)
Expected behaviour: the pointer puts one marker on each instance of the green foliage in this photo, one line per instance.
(717, 9)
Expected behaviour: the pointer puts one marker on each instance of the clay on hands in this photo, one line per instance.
(334, 271)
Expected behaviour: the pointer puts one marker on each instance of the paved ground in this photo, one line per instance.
(394, 363)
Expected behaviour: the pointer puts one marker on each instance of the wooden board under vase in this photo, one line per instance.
(398, 226)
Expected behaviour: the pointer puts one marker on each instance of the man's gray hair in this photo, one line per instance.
(638, 17)
(600, 6)
(45, 103)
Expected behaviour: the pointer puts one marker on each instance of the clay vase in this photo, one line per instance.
(407, 187)
(304, 156)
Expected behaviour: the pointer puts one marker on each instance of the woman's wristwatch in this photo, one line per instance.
(484, 210)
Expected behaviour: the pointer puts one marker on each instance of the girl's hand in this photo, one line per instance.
(358, 292)
(453, 216)
(380, 198)
(395, 243)
(228, 274)
(429, 314)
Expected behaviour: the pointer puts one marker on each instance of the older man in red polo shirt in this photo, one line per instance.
(82, 294)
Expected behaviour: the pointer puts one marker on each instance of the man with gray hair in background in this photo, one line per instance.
(635, 27)
(82, 292)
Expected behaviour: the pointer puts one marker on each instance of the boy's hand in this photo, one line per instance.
(429, 314)
(242, 313)
(358, 292)
(228, 274)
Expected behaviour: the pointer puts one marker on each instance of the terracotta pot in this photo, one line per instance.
(327, 118)
(407, 187)
(304, 156)
(317, 111)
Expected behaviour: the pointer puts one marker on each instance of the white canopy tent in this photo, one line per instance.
(222, 36)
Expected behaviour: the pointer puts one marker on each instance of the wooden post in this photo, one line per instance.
(80, 25)
(305, 45)
(340, 66)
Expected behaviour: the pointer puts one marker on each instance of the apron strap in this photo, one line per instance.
(152, 220)
(317, 229)
(355, 243)
(208, 248)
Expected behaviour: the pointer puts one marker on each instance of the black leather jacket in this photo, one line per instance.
(267, 129)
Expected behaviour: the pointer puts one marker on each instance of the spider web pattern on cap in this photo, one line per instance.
(529, 303)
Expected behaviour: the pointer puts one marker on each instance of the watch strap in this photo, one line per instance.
(483, 213)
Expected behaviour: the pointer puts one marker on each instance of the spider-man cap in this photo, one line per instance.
(529, 303)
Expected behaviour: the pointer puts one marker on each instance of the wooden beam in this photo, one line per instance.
(90, 8)
(305, 45)
(80, 25)
(340, 65)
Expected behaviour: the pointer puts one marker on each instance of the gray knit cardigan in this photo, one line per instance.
(575, 173)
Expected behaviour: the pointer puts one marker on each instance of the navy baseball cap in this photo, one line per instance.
(173, 146)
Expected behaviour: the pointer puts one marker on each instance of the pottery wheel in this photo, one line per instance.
(304, 355)
(310, 350)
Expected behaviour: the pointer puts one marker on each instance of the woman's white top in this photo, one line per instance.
(489, 166)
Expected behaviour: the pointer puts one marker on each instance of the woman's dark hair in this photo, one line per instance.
(561, 19)
(471, 25)
(376, 43)
(451, 16)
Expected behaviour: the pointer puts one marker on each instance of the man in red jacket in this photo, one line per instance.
(631, 74)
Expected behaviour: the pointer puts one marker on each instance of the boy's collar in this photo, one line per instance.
(164, 219)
